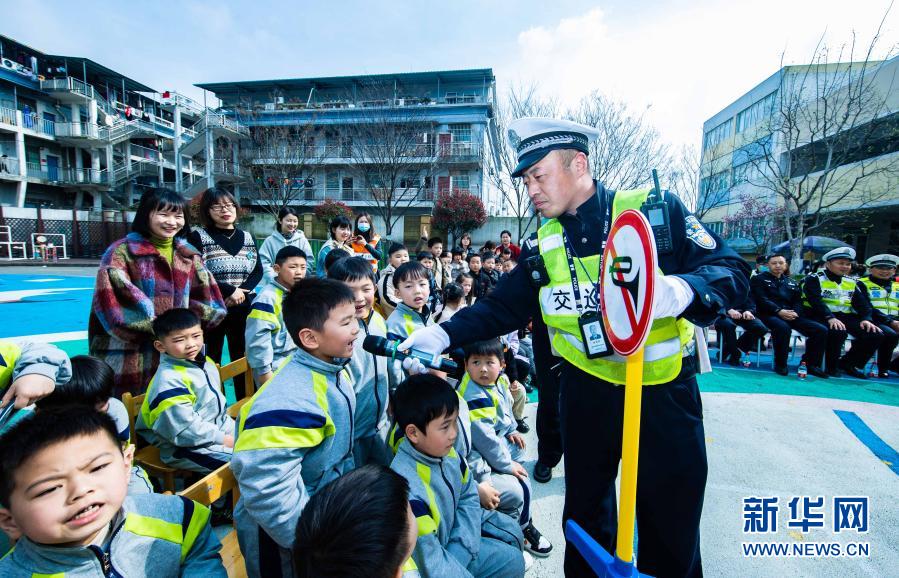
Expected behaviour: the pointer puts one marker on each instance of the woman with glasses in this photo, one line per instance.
(231, 256)
(153, 269)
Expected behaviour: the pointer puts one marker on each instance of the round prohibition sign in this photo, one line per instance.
(627, 283)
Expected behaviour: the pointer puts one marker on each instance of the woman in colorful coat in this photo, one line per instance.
(153, 269)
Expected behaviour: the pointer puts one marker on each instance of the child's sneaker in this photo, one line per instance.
(535, 543)
(528, 560)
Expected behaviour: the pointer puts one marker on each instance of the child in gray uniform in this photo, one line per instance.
(268, 343)
(183, 413)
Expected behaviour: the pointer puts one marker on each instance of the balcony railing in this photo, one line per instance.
(224, 167)
(310, 154)
(70, 175)
(8, 116)
(348, 104)
(213, 120)
(68, 84)
(81, 130)
(9, 166)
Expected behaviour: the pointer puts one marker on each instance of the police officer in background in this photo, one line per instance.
(882, 289)
(832, 298)
(779, 301)
(700, 276)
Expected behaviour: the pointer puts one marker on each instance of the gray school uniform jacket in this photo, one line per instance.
(138, 483)
(444, 500)
(294, 436)
(490, 410)
(372, 376)
(401, 324)
(387, 296)
(463, 439)
(18, 359)
(268, 341)
(153, 535)
(185, 410)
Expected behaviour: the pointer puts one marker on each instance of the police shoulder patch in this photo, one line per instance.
(697, 233)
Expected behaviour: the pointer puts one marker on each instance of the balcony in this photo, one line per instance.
(423, 153)
(71, 176)
(421, 197)
(81, 132)
(296, 103)
(219, 124)
(9, 168)
(8, 117)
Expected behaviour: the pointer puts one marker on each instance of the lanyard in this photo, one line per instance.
(569, 251)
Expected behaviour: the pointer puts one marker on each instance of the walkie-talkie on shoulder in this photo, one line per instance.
(656, 211)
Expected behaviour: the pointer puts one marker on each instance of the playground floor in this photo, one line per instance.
(767, 437)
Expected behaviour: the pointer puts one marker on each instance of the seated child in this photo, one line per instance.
(488, 264)
(268, 343)
(413, 286)
(458, 265)
(358, 526)
(296, 434)
(494, 439)
(63, 486)
(29, 371)
(456, 537)
(92, 385)
(453, 300)
(371, 378)
(397, 254)
(183, 413)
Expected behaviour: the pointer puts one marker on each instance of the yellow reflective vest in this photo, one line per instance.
(668, 337)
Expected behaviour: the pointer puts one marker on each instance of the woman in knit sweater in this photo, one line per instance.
(287, 233)
(153, 269)
(231, 256)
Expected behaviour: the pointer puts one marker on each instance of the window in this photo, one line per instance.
(755, 113)
(332, 182)
(460, 132)
(410, 181)
(460, 181)
(717, 228)
(717, 134)
(714, 190)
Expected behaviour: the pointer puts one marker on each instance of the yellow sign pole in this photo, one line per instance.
(630, 449)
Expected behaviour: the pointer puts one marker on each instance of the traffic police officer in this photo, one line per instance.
(700, 276)
(779, 301)
(830, 297)
(883, 291)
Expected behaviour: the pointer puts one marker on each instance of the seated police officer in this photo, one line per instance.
(830, 297)
(883, 291)
(778, 301)
(726, 325)
(697, 276)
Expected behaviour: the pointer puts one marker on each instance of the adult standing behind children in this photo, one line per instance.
(340, 230)
(365, 241)
(287, 234)
(231, 256)
(153, 269)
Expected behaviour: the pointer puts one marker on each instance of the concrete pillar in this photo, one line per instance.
(21, 189)
(210, 157)
(176, 143)
(95, 165)
(92, 112)
(110, 169)
(79, 199)
(236, 168)
(20, 153)
(307, 226)
(98, 201)
(79, 165)
(128, 157)
(75, 129)
(129, 193)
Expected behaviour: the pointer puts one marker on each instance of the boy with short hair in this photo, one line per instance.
(482, 280)
(268, 343)
(63, 483)
(455, 536)
(397, 254)
(494, 439)
(441, 273)
(509, 264)
(92, 385)
(488, 263)
(412, 282)
(430, 263)
(358, 526)
(372, 379)
(184, 410)
(296, 434)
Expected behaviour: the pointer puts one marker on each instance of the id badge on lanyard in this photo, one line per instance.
(593, 331)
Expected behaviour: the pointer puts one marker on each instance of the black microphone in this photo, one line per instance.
(390, 348)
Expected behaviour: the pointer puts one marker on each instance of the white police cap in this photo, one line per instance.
(534, 137)
(840, 253)
(884, 260)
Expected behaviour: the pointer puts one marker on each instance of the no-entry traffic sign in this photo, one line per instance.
(628, 282)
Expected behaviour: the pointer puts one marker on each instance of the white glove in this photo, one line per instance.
(672, 296)
(432, 340)
(413, 366)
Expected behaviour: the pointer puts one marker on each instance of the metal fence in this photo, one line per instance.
(85, 238)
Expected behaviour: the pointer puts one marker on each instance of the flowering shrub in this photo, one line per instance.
(329, 208)
(457, 212)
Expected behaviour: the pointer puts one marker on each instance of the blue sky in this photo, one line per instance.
(679, 60)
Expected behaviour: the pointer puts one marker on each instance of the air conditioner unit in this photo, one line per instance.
(280, 100)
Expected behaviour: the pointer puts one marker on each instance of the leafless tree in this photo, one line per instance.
(280, 162)
(689, 180)
(628, 147)
(394, 153)
(501, 160)
(831, 130)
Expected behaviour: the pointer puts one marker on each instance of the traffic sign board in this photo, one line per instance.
(628, 282)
